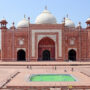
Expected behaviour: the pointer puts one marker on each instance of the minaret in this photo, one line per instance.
(79, 26)
(4, 38)
(88, 36)
(13, 27)
(63, 21)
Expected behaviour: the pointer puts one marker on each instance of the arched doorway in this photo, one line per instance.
(21, 55)
(72, 55)
(46, 55)
(46, 49)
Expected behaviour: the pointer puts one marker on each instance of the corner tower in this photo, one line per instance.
(3, 37)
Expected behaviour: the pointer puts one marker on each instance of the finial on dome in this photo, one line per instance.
(45, 7)
(3, 18)
(29, 19)
(13, 23)
(79, 23)
(67, 15)
(24, 16)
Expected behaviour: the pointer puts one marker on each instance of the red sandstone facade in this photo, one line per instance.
(18, 44)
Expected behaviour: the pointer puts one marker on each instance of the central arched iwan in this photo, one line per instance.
(46, 44)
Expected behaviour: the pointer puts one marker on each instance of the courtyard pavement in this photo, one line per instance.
(9, 71)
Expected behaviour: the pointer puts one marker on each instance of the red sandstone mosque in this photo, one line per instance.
(46, 40)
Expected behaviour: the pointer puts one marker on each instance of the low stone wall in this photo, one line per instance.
(51, 88)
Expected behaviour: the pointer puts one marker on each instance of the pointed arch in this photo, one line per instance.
(46, 47)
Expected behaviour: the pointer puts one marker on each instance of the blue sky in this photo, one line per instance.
(14, 10)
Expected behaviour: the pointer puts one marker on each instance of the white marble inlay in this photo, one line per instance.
(21, 49)
(72, 42)
(72, 49)
(51, 36)
(21, 42)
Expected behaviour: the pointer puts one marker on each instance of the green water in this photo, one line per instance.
(52, 78)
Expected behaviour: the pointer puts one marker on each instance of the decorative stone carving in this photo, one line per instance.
(21, 41)
(72, 41)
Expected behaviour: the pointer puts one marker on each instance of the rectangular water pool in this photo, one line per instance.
(52, 78)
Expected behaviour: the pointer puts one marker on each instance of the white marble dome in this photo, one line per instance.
(23, 23)
(69, 22)
(45, 18)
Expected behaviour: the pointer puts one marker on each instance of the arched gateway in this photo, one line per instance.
(46, 49)
(21, 55)
(72, 55)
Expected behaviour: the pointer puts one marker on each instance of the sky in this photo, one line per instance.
(14, 10)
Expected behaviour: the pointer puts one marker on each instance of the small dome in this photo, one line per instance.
(23, 23)
(88, 19)
(45, 18)
(69, 23)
